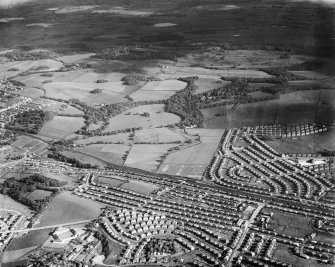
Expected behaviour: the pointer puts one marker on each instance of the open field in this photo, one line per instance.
(67, 90)
(207, 84)
(7, 203)
(59, 176)
(21, 66)
(158, 135)
(140, 187)
(282, 254)
(14, 255)
(296, 107)
(62, 108)
(30, 92)
(111, 180)
(193, 160)
(158, 90)
(290, 224)
(136, 119)
(30, 144)
(213, 73)
(60, 127)
(122, 137)
(85, 158)
(38, 194)
(68, 208)
(146, 157)
(107, 152)
(30, 240)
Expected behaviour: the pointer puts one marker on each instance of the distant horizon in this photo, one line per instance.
(11, 3)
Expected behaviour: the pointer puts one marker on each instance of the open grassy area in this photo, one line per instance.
(30, 240)
(85, 158)
(60, 127)
(290, 224)
(140, 187)
(122, 137)
(193, 160)
(108, 152)
(158, 135)
(135, 118)
(110, 180)
(38, 194)
(146, 157)
(158, 90)
(68, 208)
(8, 203)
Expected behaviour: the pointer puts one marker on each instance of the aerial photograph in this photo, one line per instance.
(167, 133)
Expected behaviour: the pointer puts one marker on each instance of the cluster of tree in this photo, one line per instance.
(96, 91)
(186, 105)
(160, 246)
(237, 89)
(282, 74)
(75, 163)
(23, 56)
(133, 79)
(18, 189)
(29, 121)
(327, 153)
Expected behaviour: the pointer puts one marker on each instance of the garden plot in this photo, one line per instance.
(158, 90)
(135, 118)
(146, 157)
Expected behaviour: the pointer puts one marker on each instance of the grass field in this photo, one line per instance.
(108, 152)
(22, 66)
(85, 158)
(158, 135)
(111, 92)
(30, 240)
(60, 127)
(207, 84)
(30, 144)
(158, 90)
(30, 92)
(59, 176)
(282, 254)
(7, 203)
(146, 157)
(122, 137)
(140, 187)
(135, 118)
(110, 180)
(38, 194)
(14, 255)
(62, 108)
(68, 208)
(193, 160)
(290, 224)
